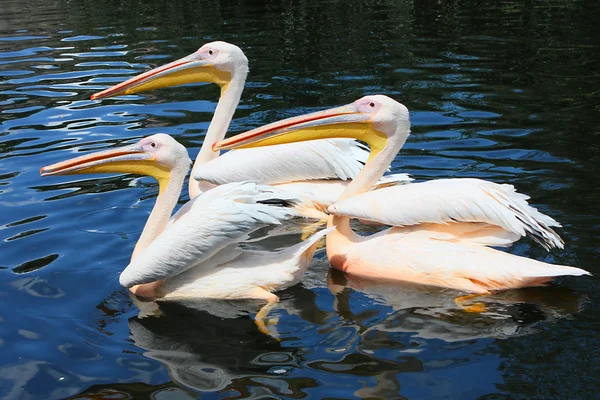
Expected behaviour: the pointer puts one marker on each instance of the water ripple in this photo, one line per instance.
(518, 107)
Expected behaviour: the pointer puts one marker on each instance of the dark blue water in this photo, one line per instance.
(506, 91)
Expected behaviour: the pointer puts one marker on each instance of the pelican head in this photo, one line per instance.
(215, 62)
(374, 120)
(154, 156)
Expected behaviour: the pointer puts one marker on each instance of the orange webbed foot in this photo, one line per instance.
(478, 307)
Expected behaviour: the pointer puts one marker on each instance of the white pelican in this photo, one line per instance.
(442, 228)
(195, 254)
(316, 171)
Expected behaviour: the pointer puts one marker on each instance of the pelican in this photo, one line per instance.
(442, 229)
(316, 171)
(196, 253)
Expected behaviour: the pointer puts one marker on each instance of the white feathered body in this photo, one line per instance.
(441, 256)
(442, 236)
(198, 254)
(241, 272)
(317, 172)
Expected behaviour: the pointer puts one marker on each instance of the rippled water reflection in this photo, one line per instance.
(502, 91)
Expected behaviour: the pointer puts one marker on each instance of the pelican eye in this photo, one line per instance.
(210, 52)
(371, 104)
(152, 144)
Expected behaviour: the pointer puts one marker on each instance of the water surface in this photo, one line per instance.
(497, 90)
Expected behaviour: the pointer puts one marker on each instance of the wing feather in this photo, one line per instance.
(449, 200)
(211, 222)
(318, 159)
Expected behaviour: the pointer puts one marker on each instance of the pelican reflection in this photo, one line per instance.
(214, 346)
(431, 313)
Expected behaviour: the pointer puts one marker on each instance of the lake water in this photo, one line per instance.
(497, 90)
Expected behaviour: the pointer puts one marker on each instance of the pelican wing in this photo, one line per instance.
(210, 222)
(444, 201)
(318, 159)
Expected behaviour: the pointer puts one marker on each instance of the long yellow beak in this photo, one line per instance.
(186, 70)
(131, 159)
(341, 122)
